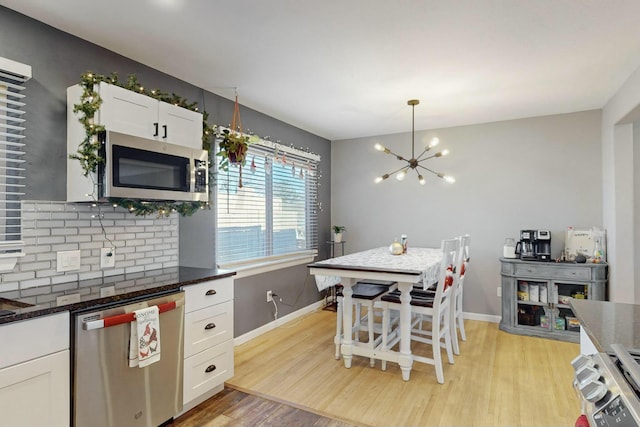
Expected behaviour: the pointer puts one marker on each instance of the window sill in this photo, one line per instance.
(264, 265)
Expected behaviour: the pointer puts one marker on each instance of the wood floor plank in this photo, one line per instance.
(236, 408)
(499, 379)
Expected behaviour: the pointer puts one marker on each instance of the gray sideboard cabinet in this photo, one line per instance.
(535, 296)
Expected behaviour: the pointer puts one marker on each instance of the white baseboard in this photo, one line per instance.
(308, 309)
(492, 318)
(275, 323)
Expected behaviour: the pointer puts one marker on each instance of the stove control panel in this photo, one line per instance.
(615, 413)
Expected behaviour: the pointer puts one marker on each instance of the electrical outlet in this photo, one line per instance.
(269, 296)
(499, 291)
(107, 257)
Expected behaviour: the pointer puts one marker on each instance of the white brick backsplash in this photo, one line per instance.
(64, 215)
(46, 256)
(35, 232)
(53, 239)
(114, 272)
(142, 243)
(134, 269)
(65, 247)
(49, 224)
(10, 277)
(7, 287)
(45, 273)
(78, 239)
(78, 223)
(68, 231)
(125, 236)
(89, 230)
(35, 266)
(26, 284)
(64, 278)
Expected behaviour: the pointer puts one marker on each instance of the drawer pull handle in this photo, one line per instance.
(211, 292)
(210, 326)
(210, 368)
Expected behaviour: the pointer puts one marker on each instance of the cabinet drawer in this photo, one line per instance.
(206, 294)
(33, 338)
(218, 361)
(554, 271)
(207, 327)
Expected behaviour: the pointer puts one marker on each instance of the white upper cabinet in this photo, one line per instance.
(135, 114)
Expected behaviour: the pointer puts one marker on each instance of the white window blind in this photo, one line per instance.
(274, 213)
(13, 75)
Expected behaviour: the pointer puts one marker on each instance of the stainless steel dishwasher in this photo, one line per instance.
(109, 393)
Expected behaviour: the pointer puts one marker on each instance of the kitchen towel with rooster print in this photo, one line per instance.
(144, 344)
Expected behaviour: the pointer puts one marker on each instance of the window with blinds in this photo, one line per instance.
(13, 75)
(269, 208)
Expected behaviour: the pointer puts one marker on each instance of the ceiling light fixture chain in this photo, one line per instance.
(414, 162)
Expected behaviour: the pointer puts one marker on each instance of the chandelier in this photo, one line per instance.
(414, 162)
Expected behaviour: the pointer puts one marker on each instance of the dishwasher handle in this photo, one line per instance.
(126, 317)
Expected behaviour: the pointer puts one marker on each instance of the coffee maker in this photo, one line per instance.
(525, 247)
(542, 245)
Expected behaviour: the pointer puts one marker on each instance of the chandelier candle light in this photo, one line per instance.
(415, 162)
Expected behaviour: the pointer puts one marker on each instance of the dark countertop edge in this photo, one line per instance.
(358, 268)
(198, 276)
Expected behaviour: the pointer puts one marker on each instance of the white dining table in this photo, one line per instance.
(414, 266)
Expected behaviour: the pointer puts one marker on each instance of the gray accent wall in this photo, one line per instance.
(541, 172)
(59, 59)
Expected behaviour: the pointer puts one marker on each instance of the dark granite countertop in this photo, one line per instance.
(607, 323)
(41, 301)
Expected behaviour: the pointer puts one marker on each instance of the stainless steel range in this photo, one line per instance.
(608, 385)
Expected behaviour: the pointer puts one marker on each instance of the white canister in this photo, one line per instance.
(509, 250)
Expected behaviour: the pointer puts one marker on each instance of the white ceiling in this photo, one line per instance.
(346, 68)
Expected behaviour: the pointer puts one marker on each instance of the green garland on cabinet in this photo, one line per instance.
(88, 150)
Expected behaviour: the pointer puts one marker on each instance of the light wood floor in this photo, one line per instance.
(499, 379)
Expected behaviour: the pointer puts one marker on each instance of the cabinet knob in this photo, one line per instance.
(155, 126)
(210, 326)
(211, 292)
(164, 128)
(210, 368)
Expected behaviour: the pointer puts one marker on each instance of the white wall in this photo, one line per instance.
(542, 172)
(618, 116)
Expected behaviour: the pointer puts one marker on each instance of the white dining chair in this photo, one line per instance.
(366, 295)
(457, 314)
(436, 306)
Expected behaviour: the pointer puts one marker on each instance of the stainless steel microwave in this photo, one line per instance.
(147, 169)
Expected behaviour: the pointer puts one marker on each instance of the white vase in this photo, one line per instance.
(337, 237)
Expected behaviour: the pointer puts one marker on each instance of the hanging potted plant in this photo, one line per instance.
(233, 144)
(233, 148)
(337, 232)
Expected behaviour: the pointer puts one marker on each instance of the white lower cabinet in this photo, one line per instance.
(34, 372)
(207, 370)
(208, 339)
